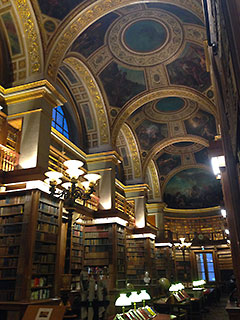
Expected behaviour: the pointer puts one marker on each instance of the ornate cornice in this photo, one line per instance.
(95, 95)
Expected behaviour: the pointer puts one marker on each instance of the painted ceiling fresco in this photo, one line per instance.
(143, 66)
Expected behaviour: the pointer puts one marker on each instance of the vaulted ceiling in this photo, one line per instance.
(136, 78)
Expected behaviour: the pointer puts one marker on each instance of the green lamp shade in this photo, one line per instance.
(123, 300)
(144, 295)
(135, 297)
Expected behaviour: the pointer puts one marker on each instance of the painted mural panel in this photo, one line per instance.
(193, 188)
(190, 69)
(12, 33)
(183, 14)
(167, 162)
(87, 116)
(202, 157)
(121, 84)
(150, 133)
(93, 38)
(68, 73)
(58, 8)
(201, 124)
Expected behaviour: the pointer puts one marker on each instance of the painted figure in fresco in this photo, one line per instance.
(191, 69)
(167, 162)
(202, 124)
(150, 133)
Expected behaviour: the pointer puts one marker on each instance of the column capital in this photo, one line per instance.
(103, 160)
(32, 91)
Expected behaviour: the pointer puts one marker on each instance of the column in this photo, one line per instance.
(32, 105)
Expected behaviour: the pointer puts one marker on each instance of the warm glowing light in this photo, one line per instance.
(53, 175)
(73, 164)
(66, 185)
(85, 184)
(198, 283)
(226, 231)
(123, 300)
(54, 181)
(74, 172)
(163, 244)
(92, 177)
(110, 220)
(224, 213)
(144, 235)
(217, 163)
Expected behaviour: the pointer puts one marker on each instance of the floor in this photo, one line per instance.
(217, 310)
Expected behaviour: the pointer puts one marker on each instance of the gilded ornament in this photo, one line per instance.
(95, 96)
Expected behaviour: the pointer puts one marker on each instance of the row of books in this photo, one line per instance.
(47, 218)
(96, 249)
(40, 294)
(11, 219)
(143, 313)
(104, 234)
(45, 247)
(76, 253)
(12, 250)
(48, 208)
(52, 228)
(78, 227)
(97, 241)
(10, 240)
(96, 228)
(7, 296)
(8, 262)
(14, 209)
(44, 257)
(50, 237)
(10, 229)
(43, 268)
(41, 282)
(14, 200)
(7, 273)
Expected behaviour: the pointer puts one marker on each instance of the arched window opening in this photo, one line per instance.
(59, 121)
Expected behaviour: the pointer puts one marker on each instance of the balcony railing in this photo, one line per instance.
(126, 206)
(8, 159)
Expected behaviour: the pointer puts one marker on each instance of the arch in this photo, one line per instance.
(133, 147)
(75, 25)
(95, 96)
(153, 174)
(173, 91)
(169, 141)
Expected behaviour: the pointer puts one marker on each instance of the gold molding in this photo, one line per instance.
(155, 179)
(87, 78)
(173, 91)
(188, 211)
(166, 142)
(31, 35)
(132, 144)
(33, 90)
(23, 113)
(85, 17)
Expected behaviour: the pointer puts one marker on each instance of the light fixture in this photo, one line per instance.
(217, 163)
(224, 213)
(144, 296)
(183, 246)
(198, 284)
(72, 191)
(135, 297)
(226, 231)
(176, 287)
(123, 301)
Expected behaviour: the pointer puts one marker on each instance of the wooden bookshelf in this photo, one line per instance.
(77, 253)
(29, 232)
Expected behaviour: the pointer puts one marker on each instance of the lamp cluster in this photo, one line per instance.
(74, 189)
(176, 287)
(124, 300)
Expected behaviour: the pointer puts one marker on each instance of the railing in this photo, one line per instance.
(126, 206)
(8, 159)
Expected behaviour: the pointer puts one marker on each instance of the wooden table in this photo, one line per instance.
(162, 316)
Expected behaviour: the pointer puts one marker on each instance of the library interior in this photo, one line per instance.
(119, 159)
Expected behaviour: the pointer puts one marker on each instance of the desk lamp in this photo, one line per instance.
(144, 296)
(135, 297)
(123, 301)
(198, 285)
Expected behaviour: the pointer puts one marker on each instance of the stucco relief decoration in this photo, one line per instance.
(95, 95)
(31, 35)
(92, 13)
(161, 38)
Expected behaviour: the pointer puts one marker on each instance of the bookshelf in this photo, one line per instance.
(135, 259)
(77, 253)
(29, 232)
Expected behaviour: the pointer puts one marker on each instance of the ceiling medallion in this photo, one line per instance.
(145, 38)
(170, 109)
